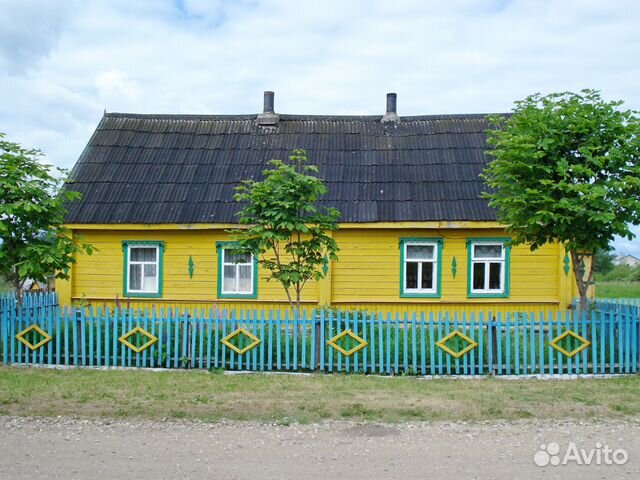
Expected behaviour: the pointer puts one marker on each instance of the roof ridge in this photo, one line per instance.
(293, 117)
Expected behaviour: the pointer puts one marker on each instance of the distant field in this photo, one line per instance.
(618, 289)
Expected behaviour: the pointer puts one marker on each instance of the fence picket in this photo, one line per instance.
(287, 338)
(627, 341)
(297, 323)
(372, 342)
(423, 360)
(381, 344)
(507, 348)
(516, 338)
(440, 335)
(634, 341)
(432, 345)
(541, 339)
(480, 343)
(456, 361)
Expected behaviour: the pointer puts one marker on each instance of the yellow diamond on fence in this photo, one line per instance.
(555, 343)
(124, 339)
(442, 343)
(348, 333)
(33, 328)
(241, 331)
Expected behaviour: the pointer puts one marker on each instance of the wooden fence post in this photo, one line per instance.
(317, 345)
(78, 317)
(493, 368)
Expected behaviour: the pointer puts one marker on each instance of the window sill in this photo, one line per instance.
(419, 295)
(238, 296)
(488, 295)
(142, 295)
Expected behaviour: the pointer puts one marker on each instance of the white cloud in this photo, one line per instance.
(62, 63)
(116, 84)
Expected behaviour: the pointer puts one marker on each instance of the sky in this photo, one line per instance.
(63, 63)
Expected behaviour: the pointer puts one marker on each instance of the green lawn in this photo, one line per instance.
(285, 399)
(617, 289)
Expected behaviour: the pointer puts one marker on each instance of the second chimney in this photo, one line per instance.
(392, 113)
(268, 117)
(268, 102)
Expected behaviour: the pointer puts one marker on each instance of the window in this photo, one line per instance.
(236, 273)
(488, 268)
(143, 268)
(420, 267)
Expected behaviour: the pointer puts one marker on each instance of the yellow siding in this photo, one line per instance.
(367, 276)
(369, 268)
(100, 276)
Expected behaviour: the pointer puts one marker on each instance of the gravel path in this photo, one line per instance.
(65, 448)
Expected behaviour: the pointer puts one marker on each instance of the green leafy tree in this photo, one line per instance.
(604, 261)
(566, 169)
(287, 231)
(33, 241)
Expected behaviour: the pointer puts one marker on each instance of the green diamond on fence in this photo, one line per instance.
(442, 343)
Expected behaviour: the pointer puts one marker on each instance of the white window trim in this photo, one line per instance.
(135, 262)
(487, 261)
(434, 260)
(251, 263)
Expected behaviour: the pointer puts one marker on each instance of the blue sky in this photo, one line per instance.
(62, 63)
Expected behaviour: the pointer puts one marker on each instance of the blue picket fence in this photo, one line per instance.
(30, 302)
(604, 340)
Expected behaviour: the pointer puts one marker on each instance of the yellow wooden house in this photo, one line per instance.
(415, 235)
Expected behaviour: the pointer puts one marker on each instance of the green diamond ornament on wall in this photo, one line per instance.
(566, 265)
(192, 267)
(582, 268)
(454, 267)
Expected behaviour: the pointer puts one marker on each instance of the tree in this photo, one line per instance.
(604, 261)
(33, 241)
(286, 230)
(566, 169)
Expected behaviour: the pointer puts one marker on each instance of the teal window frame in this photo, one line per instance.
(503, 242)
(220, 246)
(438, 243)
(126, 245)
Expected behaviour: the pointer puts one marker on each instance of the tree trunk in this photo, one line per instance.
(17, 286)
(298, 295)
(582, 283)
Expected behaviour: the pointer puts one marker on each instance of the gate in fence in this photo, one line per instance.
(604, 340)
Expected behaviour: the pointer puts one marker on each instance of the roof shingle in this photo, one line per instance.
(183, 168)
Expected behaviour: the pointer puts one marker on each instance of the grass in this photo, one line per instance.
(617, 289)
(287, 399)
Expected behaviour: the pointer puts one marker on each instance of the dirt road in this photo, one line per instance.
(85, 449)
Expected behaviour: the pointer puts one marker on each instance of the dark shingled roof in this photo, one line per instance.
(183, 168)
